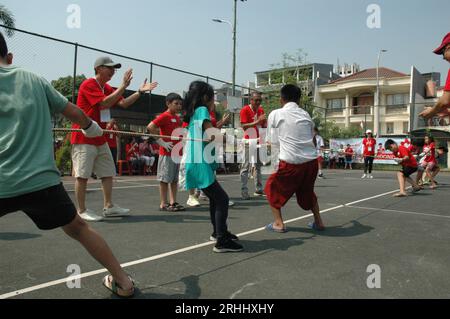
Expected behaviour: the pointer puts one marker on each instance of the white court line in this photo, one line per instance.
(118, 187)
(398, 211)
(115, 180)
(171, 253)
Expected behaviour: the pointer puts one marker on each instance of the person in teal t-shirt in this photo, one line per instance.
(201, 164)
(29, 180)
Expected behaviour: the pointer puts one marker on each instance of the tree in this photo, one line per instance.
(7, 18)
(64, 85)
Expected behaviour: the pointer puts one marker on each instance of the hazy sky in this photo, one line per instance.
(180, 33)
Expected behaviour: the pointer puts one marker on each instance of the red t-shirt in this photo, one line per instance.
(349, 152)
(249, 116)
(167, 123)
(402, 152)
(369, 146)
(447, 84)
(89, 96)
(431, 157)
(111, 138)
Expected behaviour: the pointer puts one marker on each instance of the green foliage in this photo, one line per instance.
(64, 85)
(63, 158)
(7, 18)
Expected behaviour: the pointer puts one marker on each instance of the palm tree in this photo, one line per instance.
(7, 18)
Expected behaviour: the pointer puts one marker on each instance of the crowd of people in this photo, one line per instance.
(31, 182)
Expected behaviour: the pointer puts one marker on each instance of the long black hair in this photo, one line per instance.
(199, 94)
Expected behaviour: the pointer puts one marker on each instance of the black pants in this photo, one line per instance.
(368, 164)
(341, 162)
(218, 208)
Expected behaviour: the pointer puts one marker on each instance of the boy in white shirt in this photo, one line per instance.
(293, 130)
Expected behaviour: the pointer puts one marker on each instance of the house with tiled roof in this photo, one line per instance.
(350, 101)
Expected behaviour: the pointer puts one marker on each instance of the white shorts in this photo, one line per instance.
(88, 159)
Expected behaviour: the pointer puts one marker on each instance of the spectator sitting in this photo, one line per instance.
(133, 156)
(147, 154)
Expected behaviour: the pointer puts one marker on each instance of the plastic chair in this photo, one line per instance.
(124, 167)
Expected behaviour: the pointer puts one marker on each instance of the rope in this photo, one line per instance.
(173, 138)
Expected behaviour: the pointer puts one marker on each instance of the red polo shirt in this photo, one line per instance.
(402, 152)
(369, 146)
(249, 116)
(447, 84)
(167, 123)
(90, 96)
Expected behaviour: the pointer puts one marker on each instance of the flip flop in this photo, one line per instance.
(313, 226)
(110, 284)
(400, 195)
(275, 230)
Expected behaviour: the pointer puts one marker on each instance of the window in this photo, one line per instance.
(335, 104)
(398, 99)
(390, 128)
(405, 127)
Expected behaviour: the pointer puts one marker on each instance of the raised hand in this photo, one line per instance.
(147, 87)
(127, 78)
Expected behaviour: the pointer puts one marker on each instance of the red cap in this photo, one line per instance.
(445, 41)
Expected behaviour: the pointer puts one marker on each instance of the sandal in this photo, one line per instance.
(400, 195)
(165, 208)
(175, 207)
(111, 285)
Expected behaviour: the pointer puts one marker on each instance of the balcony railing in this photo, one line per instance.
(396, 109)
(361, 110)
(336, 112)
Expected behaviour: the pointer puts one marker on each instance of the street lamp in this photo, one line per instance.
(376, 127)
(233, 29)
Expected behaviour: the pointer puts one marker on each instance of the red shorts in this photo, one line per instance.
(320, 160)
(290, 179)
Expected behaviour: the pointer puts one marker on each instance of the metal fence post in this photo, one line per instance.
(74, 87)
(150, 93)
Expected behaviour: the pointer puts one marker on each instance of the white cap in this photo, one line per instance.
(368, 131)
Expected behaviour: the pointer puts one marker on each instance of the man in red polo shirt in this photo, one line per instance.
(409, 166)
(95, 98)
(168, 169)
(252, 119)
(444, 101)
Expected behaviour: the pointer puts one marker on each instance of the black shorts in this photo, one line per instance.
(408, 171)
(49, 208)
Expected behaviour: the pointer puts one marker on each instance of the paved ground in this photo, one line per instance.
(407, 238)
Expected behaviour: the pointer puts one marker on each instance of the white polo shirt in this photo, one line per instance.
(292, 129)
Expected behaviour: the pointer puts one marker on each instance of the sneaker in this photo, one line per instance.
(203, 197)
(370, 176)
(259, 194)
(193, 201)
(227, 246)
(90, 216)
(321, 176)
(231, 204)
(229, 235)
(364, 176)
(116, 211)
(245, 196)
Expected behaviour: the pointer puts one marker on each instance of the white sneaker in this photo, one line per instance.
(230, 203)
(370, 176)
(90, 216)
(116, 211)
(192, 201)
(364, 176)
